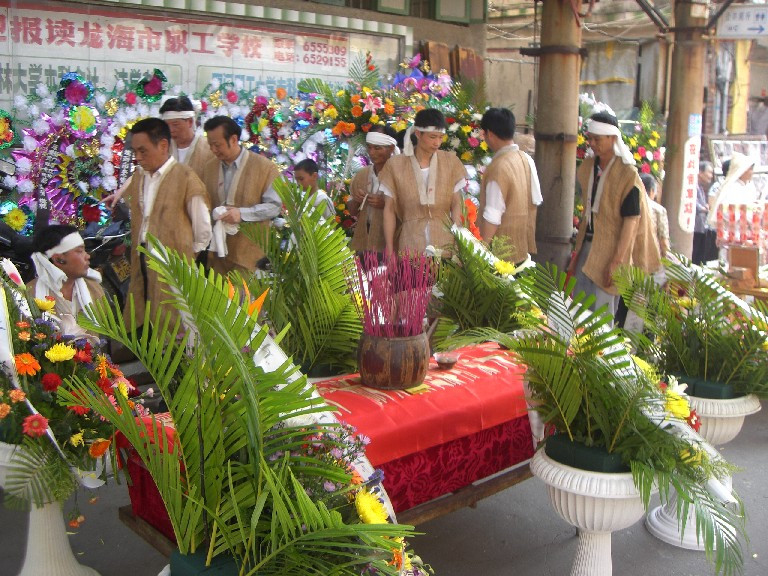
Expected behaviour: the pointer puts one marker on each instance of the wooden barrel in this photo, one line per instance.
(393, 363)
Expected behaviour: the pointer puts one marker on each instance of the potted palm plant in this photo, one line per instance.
(614, 443)
(699, 331)
(308, 282)
(248, 480)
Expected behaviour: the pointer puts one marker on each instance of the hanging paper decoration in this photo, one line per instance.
(151, 88)
(74, 90)
(84, 121)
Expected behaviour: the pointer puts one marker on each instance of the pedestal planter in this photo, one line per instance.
(6, 453)
(721, 422)
(48, 550)
(596, 503)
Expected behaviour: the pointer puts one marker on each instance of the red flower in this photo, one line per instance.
(91, 213)
(204, 105)
(153, 86)
(51, 382)
(347, 223)
(130, 98)
(645, 168)
(694, 421)
(76, 93)
(232, 96)
(35, 425)
(106, 385)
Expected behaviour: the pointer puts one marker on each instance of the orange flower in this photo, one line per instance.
(22, 324)
(281, 93)
(98, 448)
(389, 109)
(5, 409)
(355, 98)
(356, 111)
(24, 336)
(17, 396)
(366, 127)
(35, 425)
(26, 364)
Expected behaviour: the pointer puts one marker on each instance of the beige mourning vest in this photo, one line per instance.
(512, 172)
(368, 235)
(412, 216)
(644, 251)
(169, 222)
(255, 178)
(198, 156)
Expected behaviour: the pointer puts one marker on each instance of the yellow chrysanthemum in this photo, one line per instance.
(331, 112)
(44, 304)
(504, 268)
(370, 509)
(654, 134)
(60, 353)
(647, 369)
(340, 93)
(77, 439)
(466, 129)
(636, 156)
(580, 140)
(466, 156)
(653, 143)
(122, 387)
(483, 146)
(677, 406)
(374, 119)
(16, 219)
(633, 142)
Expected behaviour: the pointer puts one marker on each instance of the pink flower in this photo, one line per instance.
(474, 142)
(204, 105)
(35, 425)
(130, 98)
(657, 155)
(263, 100)
(232, 96)
(153, 86)
(645, 168)
(76, 92)
(371, 103)
(641, 150)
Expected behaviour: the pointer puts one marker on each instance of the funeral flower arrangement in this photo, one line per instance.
(63, 442)
(256, 469)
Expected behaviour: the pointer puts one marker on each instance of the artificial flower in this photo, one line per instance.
(45, 304)
(16, 219)
(35, 425)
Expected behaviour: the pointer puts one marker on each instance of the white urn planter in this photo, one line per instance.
(721, 422)
(594, 502)
(6, 453)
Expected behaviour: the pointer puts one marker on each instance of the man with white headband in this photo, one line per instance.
(421, 188)
(366, 201)
(187, 145)
(615, 228)
(63, 273)
(510, 192)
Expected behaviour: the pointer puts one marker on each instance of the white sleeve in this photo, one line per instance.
(536, 196)
(494, 203)
(201, 223)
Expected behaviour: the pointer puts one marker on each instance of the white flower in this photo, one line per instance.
(107, 140)
(471, 171)
(40, 126)
(476, 133)
(34, 110)
(454, 143)
(262, 91)
(143, 110)
(58, 118)
(131, 114)
(30, 144)
(477, 117)
(10, 181)
(215, 83)
(100, 99)
(26, 187)
(23, 166)
(649, 155)
(453, 127)
(109, 183)
(120, 85)
(47, 104)
(473, 188)
(42, 90)
(20, 101)
(107, 168)
(70, 150)
(238, 84)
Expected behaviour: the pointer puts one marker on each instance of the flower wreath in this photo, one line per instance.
(7, 133)
(151, 88)
(74, 90)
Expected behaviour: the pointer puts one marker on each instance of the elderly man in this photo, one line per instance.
(167, 200)
(187, 145)
(64, 274)
(422, 188)
(510, 192)
(615, 227)
(239, 186)
(701, 229)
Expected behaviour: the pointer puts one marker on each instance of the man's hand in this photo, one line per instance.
(375, 201)
(231, 216)
(358, 195)
(609, 270)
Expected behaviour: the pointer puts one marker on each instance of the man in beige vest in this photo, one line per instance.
(187, 145)
(239, 186)
(615, 226)
(510, 191)
(168, 201)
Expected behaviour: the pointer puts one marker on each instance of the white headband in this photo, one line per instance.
(408, 145)
(619, 148)
(69, 242)
(380, 139)
(429, 129)
(178, 115)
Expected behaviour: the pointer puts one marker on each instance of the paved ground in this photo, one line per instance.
(513, 533)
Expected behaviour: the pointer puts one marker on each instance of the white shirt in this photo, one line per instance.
(197, 210)
(271, 204)
(494, 200)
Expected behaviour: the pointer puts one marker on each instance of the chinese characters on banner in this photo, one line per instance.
(40, 45)
(686, 218)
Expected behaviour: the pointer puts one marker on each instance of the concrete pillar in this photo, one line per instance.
(686, 97)
(557, 121)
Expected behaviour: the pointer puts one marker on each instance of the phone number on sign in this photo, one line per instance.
(323, 60)
(323, 48)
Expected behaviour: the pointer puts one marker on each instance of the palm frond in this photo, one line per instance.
(360, 73)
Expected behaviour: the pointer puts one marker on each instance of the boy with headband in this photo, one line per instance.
(615, 227)
(422, 189)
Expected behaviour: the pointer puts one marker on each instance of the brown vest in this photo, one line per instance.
(413, 218)
(199, 156)
(368, 236)
(643, 251)
(512, 172)
(255, 178)
(169, 222)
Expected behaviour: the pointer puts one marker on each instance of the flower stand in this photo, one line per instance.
(721, 422)
(48, 549)
(596, 503)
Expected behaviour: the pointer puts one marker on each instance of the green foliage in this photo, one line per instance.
(582, 380)
(37, 474)
(309, 285)
(229, 482)
(697, 327)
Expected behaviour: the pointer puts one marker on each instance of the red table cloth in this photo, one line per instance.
(470, 423)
